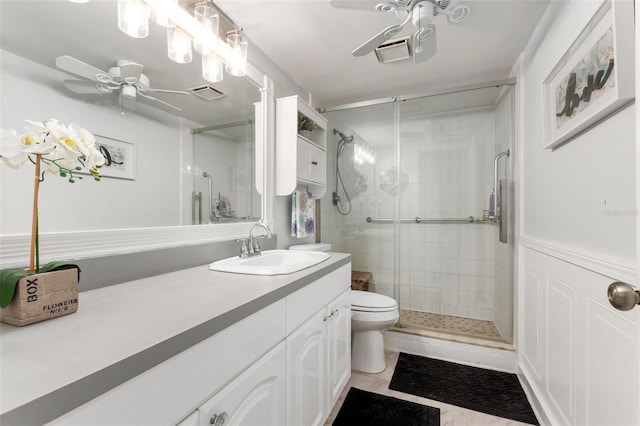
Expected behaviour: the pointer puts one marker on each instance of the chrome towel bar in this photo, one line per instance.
(469, 219)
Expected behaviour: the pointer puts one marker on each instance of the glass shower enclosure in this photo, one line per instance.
(420, 193)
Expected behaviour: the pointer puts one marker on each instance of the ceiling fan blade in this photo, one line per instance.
(148, 89)
(158, 100)
(377, 40)
(75, 66)
(83, 87)
(424, 49)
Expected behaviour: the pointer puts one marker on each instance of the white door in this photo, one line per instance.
(306, 372)
(255, 397)
(338, 346)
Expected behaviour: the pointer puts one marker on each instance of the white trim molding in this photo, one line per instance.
(604, 265)
(90, 244)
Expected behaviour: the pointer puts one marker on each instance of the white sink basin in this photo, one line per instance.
(270, 262)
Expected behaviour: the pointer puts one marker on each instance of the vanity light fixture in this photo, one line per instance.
(202, 27)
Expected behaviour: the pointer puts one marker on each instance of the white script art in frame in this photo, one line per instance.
(119, 158)
(594, 78)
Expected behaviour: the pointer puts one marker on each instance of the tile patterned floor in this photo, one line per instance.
(448, 324)
(450, 415)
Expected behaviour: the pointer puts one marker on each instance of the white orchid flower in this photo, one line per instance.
(15, 150)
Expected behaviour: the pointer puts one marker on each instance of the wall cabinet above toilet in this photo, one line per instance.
(301, 148)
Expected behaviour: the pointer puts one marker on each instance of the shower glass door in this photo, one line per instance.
(447, 255)
(413, 183)
(363, 182)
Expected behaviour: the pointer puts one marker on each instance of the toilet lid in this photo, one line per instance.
(371, 302)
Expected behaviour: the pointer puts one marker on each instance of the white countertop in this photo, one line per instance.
(117, 322)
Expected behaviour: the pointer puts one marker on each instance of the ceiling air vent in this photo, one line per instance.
(394, 50)
(206, 92)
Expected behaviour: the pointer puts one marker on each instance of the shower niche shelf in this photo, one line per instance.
(301, 160)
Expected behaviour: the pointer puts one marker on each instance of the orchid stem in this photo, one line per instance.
(34, 256)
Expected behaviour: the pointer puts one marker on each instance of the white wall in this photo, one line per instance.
(580, 195)
(577, 236)
(32, 91)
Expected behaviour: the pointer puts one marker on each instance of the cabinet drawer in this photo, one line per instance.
(311, 162)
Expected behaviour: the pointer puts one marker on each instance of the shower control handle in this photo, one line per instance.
(315, 163)
(623, 296)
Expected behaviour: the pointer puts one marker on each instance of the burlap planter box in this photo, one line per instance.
(43, 296)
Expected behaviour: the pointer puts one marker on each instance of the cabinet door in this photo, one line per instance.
(338, 346)
(311, 162)
(255, 397)
(306, 377)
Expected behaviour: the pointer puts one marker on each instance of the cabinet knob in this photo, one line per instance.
(315, 163)
(219, 419)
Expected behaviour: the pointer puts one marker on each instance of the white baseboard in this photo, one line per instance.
(477, 356)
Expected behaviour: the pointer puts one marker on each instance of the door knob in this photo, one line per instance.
(623, 296)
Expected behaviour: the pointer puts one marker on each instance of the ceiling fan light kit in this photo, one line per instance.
(421, 13)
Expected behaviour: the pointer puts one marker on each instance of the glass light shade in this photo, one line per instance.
(133, 19)
(237, 64)
(206, 38)
(179, 46)
(163, 12)
(212, 68)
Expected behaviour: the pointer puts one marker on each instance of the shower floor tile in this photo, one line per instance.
(416, 320)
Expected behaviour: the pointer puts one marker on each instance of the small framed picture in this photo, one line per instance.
(119, 156)
(594, 78)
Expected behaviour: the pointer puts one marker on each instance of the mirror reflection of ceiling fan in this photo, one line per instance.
(421, 13)
(126, 77)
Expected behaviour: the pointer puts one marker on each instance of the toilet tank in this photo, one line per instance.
(312, 247)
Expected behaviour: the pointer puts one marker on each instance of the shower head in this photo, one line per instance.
(343, 138)
(205, 174)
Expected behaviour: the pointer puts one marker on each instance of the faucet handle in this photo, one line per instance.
(244, 250)
(255, 244)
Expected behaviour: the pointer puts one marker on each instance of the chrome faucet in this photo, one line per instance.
(250, 246)
(254, 246)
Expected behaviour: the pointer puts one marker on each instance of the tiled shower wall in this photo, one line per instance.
(446, 172)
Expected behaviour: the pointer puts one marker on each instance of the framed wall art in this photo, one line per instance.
(120, 159)
(594, 78)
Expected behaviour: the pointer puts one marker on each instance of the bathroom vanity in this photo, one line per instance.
(192, 347)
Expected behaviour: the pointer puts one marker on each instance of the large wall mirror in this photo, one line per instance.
(195, 165)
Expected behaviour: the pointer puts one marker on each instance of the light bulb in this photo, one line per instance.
(178, 46)
(237, 64)
(133, 18)
(212, 68)
(206, 37)
(163, 12)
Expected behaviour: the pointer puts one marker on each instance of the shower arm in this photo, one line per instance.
(497, 203)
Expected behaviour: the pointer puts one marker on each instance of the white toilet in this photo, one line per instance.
(371, 315)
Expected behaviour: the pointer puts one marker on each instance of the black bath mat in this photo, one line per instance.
(487, 391)
(362, 408)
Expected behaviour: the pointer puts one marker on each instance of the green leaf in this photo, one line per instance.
(8, 281)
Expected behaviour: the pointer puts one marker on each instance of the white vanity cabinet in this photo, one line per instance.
(256, 397)
(300, 159)
(284, 364)
(318, 349)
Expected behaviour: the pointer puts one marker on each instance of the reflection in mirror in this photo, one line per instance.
(166, 154)
(224, 174)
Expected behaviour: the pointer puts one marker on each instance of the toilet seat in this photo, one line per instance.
(364, 301)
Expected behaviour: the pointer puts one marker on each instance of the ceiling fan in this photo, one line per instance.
(126, 77)
(421, 13)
